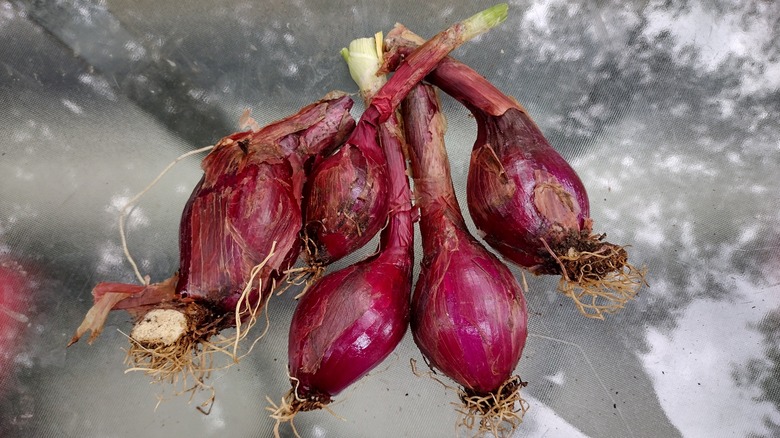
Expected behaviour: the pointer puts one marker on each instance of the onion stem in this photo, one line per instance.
(424, 60)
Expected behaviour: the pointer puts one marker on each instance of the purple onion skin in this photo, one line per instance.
(469, 317)
(346, 198)
(469, 314)
(351, 320)
(519, 189)
(249, 198)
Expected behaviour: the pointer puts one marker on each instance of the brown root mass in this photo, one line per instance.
(187, 363)
(309, 274)
(498, 413)
(292, 403)
(595, 274)
(311, 251)
(306, 276)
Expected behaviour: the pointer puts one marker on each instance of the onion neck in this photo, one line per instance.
(424, 127)
(313, 130)
(399, 234)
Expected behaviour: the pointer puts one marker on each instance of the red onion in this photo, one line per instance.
(346, 202)
(351, 320)
(15, 289)
(525, 199)
(240, 226)
(468, 312)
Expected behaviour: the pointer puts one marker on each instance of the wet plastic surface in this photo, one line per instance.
(668, 113)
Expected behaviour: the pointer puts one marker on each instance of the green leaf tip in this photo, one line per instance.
(485, 20)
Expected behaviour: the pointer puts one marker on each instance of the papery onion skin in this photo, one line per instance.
(247, 202)
(469, 315)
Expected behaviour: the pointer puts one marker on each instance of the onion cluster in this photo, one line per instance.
(319, 183)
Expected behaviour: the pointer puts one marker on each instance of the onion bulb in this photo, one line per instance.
(469, 314)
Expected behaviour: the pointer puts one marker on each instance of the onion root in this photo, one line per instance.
(292, 403)
(595, 274)
(498, 413)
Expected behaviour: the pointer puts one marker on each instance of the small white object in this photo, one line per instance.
(160, 326)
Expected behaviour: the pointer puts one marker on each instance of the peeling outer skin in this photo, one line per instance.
(136, 299)
(485, 157)
(247, 201)
(548, 200)
(553, 202)
(346, 202)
